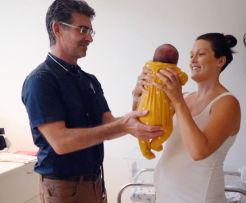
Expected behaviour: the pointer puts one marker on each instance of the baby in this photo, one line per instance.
(166, 53)
(156, 101)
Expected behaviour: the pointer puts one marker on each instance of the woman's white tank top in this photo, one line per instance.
(180, 179)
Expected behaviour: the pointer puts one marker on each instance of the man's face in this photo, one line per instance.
(71, 40)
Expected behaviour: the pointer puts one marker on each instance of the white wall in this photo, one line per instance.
(127, 32)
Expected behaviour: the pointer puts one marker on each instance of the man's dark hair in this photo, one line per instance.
(62, 10)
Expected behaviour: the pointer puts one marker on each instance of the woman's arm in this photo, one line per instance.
(223, 121)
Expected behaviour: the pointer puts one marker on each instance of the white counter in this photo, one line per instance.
(6, 167)
(18, 181)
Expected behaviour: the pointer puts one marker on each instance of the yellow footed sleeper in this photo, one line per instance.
(159, 107)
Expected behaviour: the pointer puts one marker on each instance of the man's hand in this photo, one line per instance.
(132, 126)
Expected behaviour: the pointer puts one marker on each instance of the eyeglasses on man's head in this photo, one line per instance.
(82, 29)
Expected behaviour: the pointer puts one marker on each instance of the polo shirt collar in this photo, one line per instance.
(70, 67)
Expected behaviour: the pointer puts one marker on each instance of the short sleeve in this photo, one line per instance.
(42, 99)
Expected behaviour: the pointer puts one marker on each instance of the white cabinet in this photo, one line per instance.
(18, 182)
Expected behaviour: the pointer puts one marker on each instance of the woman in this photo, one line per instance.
(206, 121)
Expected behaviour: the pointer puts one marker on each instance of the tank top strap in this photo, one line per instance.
(219, 97)
(186, 94)
(207, 108)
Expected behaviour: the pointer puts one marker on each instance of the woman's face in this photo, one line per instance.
(203, 63)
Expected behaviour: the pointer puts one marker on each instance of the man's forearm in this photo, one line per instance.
(65, 140)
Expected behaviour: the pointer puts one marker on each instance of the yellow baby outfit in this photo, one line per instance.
(160, 112)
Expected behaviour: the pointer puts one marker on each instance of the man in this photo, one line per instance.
(69, 116)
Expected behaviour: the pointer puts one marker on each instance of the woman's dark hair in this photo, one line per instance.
(62, 10)
(221, 45)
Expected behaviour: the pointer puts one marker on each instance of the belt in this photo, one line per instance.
(85, 177)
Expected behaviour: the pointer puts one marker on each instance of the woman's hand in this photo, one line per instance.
(144, 79)
(171, 85)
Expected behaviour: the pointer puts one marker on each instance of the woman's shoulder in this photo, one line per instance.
(225, 97)
(226, 103)
(227, 107)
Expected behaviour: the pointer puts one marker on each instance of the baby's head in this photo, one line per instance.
(166, 53)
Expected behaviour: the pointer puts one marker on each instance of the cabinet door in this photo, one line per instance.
(19, 185)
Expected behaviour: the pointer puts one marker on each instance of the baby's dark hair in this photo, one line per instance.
(221, 45)
(166, 53)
